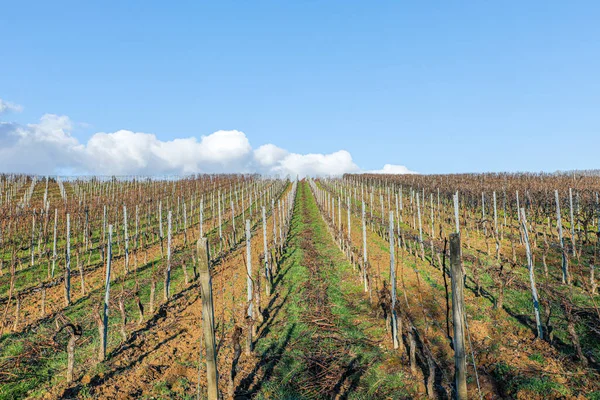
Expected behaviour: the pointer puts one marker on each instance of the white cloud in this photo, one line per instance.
(38, 148)
(225, 147)
(48, 147)
(6, 106)
(269, 155)
(337, 163)
(393, 169)
(125, 152)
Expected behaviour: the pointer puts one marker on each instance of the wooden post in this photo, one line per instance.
(233, 222)
(54, 245)
(565, 265)
(160, 228)
(208, 318)
(121, 302)
(382, 209)
(519, 205)
(249, 282)
(364, 234)
(432, 220)
(495, 215)
(412, 207)
(401, 205)
(598, 213)
(106, 293)
(455, 197)
(168, 270)
(371, 203)
(349, 224)
(280, 211)
(458, 318)
(534, 294)
(483, 213)
(220, 227)
(32, 247)
(68, 263)
(126, 239)
(421, 227)
(184, 223)
(340, 217)
(137, 232)
(393, 284)
(104, 235)
(243, 205)
(201, 217)
(274, 221)
(266, 253)
(572, 221)
(504, 208)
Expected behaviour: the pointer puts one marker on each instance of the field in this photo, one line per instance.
(342, 288)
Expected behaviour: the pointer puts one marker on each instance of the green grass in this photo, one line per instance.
(348, 306)
(542, 386)
(537, 357)
(514, 382)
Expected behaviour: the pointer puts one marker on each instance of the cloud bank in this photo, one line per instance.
(48, 147)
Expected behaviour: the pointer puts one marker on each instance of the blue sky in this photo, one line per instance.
(435, 86)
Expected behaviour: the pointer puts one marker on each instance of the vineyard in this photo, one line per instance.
(242, 286)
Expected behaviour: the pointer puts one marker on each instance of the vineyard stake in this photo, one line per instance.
(458, 306)
(208, 318)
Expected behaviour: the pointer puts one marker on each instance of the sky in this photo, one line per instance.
(298, 87)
